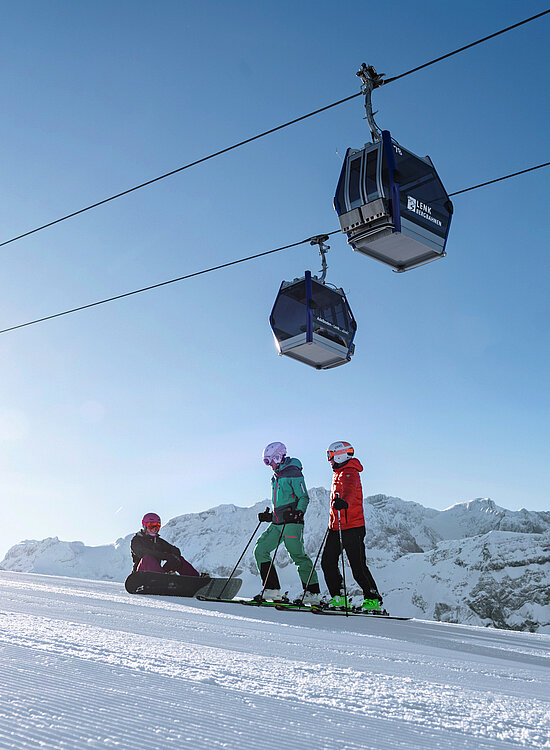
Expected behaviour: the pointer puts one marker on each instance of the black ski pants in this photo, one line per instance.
(353, 541)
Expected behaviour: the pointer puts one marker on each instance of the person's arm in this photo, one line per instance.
(173, 553)
(347, 490)
(298, 485)
(168, 550)
(137, 547)
(143, 545)
(171, 549)
(133, 551)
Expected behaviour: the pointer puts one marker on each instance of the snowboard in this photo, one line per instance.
(165, 584)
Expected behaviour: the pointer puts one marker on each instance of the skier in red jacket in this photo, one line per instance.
(346, 515)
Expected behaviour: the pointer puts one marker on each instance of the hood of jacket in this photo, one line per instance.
(353, 463)
(289, 463)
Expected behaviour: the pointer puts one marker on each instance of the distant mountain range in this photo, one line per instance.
(474, 563)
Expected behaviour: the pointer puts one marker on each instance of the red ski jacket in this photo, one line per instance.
(347, 483)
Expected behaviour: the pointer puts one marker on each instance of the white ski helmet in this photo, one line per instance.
(274, 454)
(339, 452)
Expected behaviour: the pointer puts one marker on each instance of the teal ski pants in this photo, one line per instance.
(293, 539)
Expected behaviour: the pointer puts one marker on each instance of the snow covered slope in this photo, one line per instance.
(85, 665)
(474, 563)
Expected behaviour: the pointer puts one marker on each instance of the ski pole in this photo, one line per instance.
(240, 558)
(301, 599)
(272, 561)
(343, 562)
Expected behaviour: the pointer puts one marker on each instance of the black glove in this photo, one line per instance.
(339, 503)
(293, 516)
(174, 561)
(266, 516)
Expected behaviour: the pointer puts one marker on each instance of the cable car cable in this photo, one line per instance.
(499, 179)
(179, 169)
(466, 46)
(230, 263)
(261, 135)
(162, 283)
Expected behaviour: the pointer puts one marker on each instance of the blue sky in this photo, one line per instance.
(165, 400)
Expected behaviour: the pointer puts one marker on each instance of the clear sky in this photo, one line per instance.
(165, 400)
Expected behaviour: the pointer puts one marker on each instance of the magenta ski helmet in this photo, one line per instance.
(151, 523)
(339, 452)
(274, 454)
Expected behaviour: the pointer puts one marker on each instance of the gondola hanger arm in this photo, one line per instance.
(320, 240)
(370, 80)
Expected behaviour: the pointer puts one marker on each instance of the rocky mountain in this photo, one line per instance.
(473, 563)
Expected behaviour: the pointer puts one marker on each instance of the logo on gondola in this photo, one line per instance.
(330, 325)
(422, 209)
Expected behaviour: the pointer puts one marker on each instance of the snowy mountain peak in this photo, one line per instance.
(474, 562)
(477, 505)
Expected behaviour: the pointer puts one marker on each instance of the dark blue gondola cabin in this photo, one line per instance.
(313, 323)
(392, 205)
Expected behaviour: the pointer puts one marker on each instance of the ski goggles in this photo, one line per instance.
(331, 455)
(273, 460)
(272, 463)
(153, 525)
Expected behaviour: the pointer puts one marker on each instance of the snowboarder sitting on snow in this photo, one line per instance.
(290, 500)
(346, 517)
(148, 551)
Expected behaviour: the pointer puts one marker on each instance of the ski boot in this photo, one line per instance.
(372, 604)
(272, 595)
(340, 602)
(311, 600)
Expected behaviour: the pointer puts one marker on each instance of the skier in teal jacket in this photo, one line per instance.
(289, 499)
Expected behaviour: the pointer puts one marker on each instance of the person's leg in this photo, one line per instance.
(184, 568)
(354, 545)
(149, 564)
(329, 563)
(294, 542)
(265, 545)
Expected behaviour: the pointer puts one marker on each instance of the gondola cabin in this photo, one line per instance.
(392, 205)
(313, 323)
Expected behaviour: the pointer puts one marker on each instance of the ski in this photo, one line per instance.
(247, 602)
(323, 611)
(364, 615)
(292, 607)
(262, 603)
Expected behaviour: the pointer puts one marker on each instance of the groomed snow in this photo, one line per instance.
(85, 665)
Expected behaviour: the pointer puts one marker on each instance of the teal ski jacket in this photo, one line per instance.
(288, 489)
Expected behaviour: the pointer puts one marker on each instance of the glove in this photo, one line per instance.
(173, 561)
(293, 516)
(339, 503)
(266, 515)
